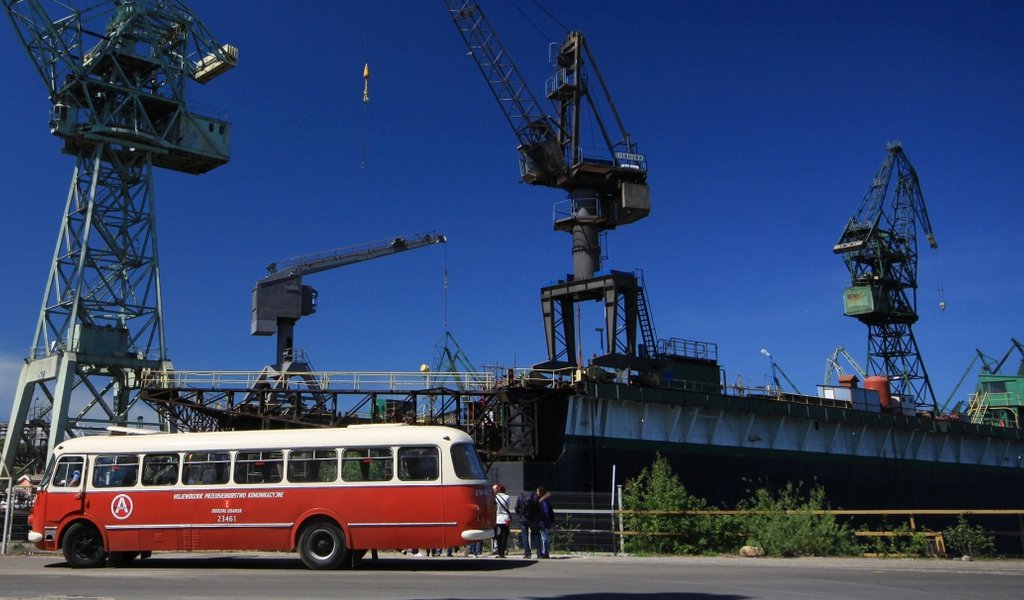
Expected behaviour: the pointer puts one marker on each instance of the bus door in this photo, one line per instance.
(64, 497)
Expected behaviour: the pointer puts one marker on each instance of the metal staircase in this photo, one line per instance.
(650, 338)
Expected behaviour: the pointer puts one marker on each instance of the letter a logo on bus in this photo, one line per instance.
(121, 507)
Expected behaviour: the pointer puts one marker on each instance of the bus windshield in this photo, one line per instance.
(466, 462)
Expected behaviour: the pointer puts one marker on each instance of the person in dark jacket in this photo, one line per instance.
(546, 521)
(528, 512)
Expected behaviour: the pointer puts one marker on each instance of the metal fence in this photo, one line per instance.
(16, 503)
(584, 522)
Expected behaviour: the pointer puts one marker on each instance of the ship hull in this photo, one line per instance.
(722, 447)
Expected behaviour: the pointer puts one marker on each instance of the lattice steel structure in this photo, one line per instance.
(879, 246)
(116, 75)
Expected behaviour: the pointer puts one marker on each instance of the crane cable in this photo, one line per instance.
(938, 278)
(366, 82)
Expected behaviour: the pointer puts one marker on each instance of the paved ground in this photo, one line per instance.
(250, 576)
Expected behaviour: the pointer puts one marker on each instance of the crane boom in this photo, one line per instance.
(308, 264)
(537, 133)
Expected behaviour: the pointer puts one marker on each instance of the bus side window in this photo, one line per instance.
(418, 463)
(320, 465)
(204, 468)
(258, 466)
(115, 470)
(366, 464)
(65, 473)
(160, 469)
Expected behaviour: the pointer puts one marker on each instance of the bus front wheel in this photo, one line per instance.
(322, 546)
(83, 546)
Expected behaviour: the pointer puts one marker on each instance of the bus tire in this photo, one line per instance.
(83, 546)
(322, 546)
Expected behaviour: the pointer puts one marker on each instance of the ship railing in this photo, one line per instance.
(528, 377)
(688, 348)
(323, 380)
(774, 393)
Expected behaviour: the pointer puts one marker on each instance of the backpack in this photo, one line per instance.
(523, 503)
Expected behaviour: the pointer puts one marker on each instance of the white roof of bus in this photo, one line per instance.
(354, 435)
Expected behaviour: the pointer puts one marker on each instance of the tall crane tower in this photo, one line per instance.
(606, 185)
(116, 77)
(879, 246)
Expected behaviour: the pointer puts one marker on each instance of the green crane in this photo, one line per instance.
(116, 77)
(879, 246)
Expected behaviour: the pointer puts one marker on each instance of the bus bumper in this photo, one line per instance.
(476, 535)
(35, 537)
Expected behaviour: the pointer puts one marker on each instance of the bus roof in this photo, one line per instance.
(361, 435)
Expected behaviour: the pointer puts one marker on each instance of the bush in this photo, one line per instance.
(657, 488)
(906, 542)
(968, 540)
(783, 524)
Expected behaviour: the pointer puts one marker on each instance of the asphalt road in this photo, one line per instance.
(256, 576)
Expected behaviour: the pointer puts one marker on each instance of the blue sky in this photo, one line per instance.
(763, 124)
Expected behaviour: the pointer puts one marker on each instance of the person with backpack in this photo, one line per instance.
(528, 513)
(546, 522)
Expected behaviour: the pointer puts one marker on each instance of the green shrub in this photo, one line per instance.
(906, 542)
(657, 488)
(783, 524)
(968, 540)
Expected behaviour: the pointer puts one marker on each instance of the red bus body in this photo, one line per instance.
(450, 504)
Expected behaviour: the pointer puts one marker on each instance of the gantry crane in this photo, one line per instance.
(606, 186)
(280, 298)
(879, 246)
(116, 77)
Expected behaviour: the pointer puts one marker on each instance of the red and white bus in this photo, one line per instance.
(330, 494)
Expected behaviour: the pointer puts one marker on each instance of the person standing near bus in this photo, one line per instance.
(503, 518)
(547, 521)
(528, 510)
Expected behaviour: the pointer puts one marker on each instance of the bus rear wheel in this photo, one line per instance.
(83, 546)
(322, 546)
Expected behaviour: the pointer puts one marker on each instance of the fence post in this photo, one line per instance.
(622, 538)
(1020, 524)
(8, 522)
(612, 506)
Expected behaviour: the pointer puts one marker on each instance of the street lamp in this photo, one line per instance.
(771, 361)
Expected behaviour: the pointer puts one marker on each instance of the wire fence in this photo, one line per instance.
(594, 522)
(584, 522)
